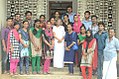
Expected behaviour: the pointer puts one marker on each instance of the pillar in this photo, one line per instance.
(2, 23)
(117, 33)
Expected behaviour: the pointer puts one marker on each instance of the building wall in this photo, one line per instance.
(105, 10)
(98, 7)
(2, 23)
(2, 13)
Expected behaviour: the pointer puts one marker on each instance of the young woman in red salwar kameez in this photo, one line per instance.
(89, 55)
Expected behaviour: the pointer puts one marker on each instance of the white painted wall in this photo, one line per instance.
(2, 13)
(2, 23)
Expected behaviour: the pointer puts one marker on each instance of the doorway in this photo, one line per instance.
(60, 5)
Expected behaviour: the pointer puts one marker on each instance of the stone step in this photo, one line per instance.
(52, 69)
(41, 76)
(55, 74)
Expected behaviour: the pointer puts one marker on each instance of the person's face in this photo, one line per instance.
(28, 16)
(101, 27)
(26, 24)
(111, 33)
(42, 19)
(59, 22)
(83, 30)
(75, 18)
(87, 15)
(66, 18)
(69, 10)
(52, 21)
(17, 17)
(37, 24)
(57, 14)
(17, 27)
(94, 20)
(49, 25)
(69, 27)
(10, 22)
(88, 33)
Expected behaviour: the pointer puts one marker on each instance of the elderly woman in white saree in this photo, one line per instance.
(59, 34)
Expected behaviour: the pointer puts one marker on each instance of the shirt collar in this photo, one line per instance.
(8, 27)
(70, 13)
(103, 32)
(111, 39)
(87, 21)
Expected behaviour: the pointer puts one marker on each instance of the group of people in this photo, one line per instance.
(65, 39)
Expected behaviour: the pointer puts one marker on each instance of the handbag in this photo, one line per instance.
(75, 46)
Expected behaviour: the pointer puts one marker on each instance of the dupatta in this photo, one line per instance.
(16, 35)
(38, 32)
(76, 26)
(95, 57)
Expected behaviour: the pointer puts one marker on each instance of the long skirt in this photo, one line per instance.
(110, 69)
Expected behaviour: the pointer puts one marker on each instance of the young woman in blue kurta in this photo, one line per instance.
(70, 39)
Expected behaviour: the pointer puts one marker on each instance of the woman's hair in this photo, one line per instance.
(70, 24)
(48, 21)
(25, 21)
(56, 11)
(16, 23)
(65, 15)
(42, 16)
(91, 34)
(83, 26)
(89, 38)
(35, 31)
(74, 15)
(51, 18)
(35, 21)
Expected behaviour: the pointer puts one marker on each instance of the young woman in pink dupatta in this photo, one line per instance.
(76, 28)
(13, 48)
(77, 24)
(89, 55)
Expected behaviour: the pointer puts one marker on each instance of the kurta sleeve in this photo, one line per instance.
(74, 37)
(66, 37)
(117, 44)
(54, 29)
(19, 31)
(3, 34)
(63, 31)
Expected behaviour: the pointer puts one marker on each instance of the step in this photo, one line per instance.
(52, 69)
(55, 74)
(41, 76)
